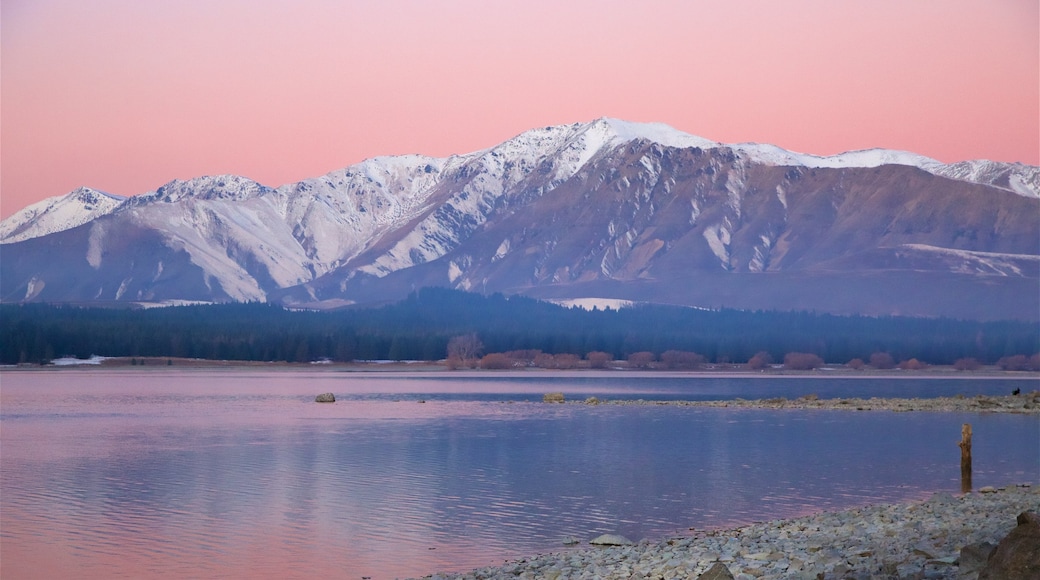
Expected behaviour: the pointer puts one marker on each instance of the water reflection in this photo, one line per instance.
(216, 475)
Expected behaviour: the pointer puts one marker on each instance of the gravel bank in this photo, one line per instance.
(1024, 403)
(916, 540)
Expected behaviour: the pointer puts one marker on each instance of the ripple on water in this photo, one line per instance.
(189, 484)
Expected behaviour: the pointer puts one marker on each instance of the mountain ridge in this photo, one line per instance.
(1016, 177)
(632, 205)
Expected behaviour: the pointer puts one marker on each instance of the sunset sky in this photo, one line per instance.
(125, 95)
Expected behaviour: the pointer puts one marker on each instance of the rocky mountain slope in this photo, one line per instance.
(606, 209)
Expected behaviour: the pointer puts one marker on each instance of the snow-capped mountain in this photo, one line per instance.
(607, 209)
(57, 214)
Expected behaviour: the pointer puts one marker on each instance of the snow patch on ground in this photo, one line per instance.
(502, 250)
(590, 303)
(718, 238)
(992, 263)
(66, 361)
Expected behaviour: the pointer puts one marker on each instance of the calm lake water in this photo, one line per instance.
(215, 474)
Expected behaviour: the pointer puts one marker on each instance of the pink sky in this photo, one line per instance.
(125, 95)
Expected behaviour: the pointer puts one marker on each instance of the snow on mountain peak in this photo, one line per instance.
(227, 187)
(656, 132)
(381, 190)
(58, 214)
(773, 155)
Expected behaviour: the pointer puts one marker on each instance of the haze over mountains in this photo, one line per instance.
(606, 209)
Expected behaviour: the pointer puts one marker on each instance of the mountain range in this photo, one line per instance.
(607, 209)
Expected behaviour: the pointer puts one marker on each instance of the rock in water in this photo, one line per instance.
(718, 571)
(325, 398)
(1017, 556)
(611, 540)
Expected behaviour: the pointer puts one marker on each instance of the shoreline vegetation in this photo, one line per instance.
(496, 332)
(944, 536)
(475, 368)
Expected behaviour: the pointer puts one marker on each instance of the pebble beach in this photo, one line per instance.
(1028, 403)
(945, 536)
(915, 540)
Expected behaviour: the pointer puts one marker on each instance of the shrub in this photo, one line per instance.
(912, 365)
(882, 360)
(967, 364)
(566, 361)
(496, 360)
(855, 364)
(761, 360)
(641, 360)
(544, 360)
(598, 359)
(1018, 362)
(524, 357)
(553, 398)
(802, 361)
(681, 359)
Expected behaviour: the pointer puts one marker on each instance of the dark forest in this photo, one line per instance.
(420, 327)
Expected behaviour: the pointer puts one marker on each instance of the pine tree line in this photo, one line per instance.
(420, 327)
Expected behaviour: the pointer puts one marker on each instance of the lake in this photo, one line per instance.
(215, 473)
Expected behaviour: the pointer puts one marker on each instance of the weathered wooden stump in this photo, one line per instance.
(965, 446)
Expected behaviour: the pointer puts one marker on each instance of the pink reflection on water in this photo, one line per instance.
(241, 474)
(66, 417)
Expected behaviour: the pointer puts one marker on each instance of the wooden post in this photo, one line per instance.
(965, 446)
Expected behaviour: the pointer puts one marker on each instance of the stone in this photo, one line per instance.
(974, 556)
(718, 571)
(611, 540)
(942, 498)
(325, 398)
(1017, 556)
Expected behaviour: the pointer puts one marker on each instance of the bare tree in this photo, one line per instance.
(465, 347)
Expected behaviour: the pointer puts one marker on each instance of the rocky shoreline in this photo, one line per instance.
(1028, 403)
(943, 537)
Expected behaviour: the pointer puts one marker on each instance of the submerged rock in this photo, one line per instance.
(718, 571)
(325, 398)
(611, 540)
